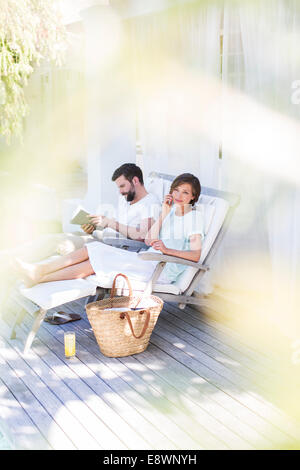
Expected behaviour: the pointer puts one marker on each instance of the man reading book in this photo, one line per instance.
(137, 209)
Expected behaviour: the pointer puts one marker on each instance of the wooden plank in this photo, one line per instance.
(167, 423)
(194, 412)
(22, 433)
(199, 389)
(76, 396)
(28, 405)
(116, 367)
(55, 408)
(199, 352)
(214, 330)
(111, 388)
(210, 346)
(158, 399)
(215, 402)
(282, 425)
(107, 419)
(180, 426)
(250, 390)
(215, 340)
(215, 306)
(264, 386)
(111, 365)
(229, 334)
(199, 320)
(267, 408)
(270, 414)
(268, 383)
(164, 375)
(115, 428)
(257, 438)
(290, 425)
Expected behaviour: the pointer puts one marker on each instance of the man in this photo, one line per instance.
(137, 211)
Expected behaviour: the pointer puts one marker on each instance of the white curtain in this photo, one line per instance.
(176, 58)
(261, 142)
(197, 95)
(175, 54)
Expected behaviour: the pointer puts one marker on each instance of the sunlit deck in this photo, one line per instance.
(197, 386)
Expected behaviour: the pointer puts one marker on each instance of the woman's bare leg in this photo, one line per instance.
(77, 256)
(75, 271)
(32, 273)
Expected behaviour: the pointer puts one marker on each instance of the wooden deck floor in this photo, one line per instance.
(197, 386)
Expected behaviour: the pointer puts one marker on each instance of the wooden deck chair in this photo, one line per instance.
(217, 207)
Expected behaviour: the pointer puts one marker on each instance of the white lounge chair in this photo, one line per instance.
(217, 207)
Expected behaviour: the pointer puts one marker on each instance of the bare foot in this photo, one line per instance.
(31, 274)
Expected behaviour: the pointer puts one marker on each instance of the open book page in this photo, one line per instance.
(80, 217)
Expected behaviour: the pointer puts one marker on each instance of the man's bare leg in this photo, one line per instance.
(46, 245)
(75, 271)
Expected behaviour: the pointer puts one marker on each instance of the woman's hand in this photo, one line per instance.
(167, 204)
(148, 241)
(159, 246)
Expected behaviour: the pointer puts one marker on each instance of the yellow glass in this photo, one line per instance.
(70, 340)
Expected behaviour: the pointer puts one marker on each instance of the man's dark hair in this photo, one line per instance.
(129, 171)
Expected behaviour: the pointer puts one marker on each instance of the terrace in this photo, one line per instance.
(199, 385)
(193, 87)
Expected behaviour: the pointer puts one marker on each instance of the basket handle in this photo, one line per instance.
(125, 314)
(112, 292)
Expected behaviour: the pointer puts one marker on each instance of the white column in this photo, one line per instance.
(110, 120)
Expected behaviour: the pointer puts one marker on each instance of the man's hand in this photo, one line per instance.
(99, 220)
(88, 228)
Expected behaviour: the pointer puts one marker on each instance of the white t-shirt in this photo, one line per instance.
(132, 214)
(176, 232)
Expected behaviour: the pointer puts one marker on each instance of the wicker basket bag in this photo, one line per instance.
(123, 325)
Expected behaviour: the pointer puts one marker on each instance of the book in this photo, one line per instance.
(81, 217)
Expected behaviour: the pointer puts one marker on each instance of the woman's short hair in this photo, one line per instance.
(190, 179)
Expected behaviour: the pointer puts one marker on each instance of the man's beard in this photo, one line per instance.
(131, 194)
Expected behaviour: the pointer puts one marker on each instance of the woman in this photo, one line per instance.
(177, 232)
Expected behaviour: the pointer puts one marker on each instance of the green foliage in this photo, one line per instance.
(30, 31)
